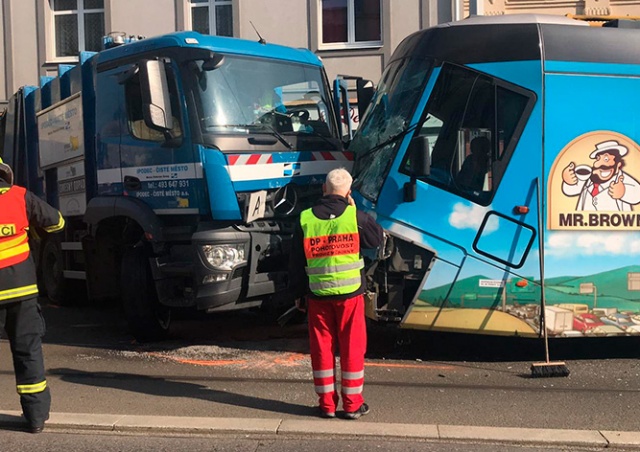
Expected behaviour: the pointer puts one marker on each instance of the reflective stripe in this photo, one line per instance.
(56, 227)
(13, 242)
(352, 375)
(321, 285)
(325, 389)
(323, 373)
(19, 292)
(352, 389)
(32, 389)
(15, 251)
(332, 249)
(4, 190)
(335, 268)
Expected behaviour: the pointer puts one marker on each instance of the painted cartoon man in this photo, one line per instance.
(608, 188)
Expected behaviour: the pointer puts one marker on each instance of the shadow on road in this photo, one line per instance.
(157, 386)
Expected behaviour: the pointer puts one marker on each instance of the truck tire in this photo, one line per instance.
(53, 282)
(147, 319)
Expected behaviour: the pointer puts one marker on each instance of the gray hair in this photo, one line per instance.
(338, 181)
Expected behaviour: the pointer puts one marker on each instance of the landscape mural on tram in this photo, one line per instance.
(592, 275)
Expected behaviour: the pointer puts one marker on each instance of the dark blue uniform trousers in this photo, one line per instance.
(25, 327)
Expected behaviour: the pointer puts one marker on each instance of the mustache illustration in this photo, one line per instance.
(605, 167)
(596, 179)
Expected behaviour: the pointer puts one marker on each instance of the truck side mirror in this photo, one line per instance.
(419, 165)
(342, 108)
(156, 104)
(214, 62)
(365, 92)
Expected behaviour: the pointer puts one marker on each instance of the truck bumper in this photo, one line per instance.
(249, 283)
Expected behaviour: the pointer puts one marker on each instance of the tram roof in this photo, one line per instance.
(521, 37)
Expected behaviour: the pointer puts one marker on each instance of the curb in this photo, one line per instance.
(291, 427)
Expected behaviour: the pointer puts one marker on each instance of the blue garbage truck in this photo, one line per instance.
(180, 163)
(502, 157)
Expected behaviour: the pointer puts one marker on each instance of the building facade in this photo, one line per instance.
(353, 37)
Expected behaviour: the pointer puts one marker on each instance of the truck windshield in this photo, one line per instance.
(250, 95)
(386, 122)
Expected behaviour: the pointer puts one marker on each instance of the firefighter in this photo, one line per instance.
(20, 313)
(327, 268)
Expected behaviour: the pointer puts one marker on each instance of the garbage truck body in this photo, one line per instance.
(180, 163)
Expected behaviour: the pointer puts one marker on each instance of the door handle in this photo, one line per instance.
(132, 183)
(264, 141)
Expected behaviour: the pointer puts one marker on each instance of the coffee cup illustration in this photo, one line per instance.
(583, 172)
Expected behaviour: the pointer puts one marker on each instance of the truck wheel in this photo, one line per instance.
(53, 280)
(148, 320)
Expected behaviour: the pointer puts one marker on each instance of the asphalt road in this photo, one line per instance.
(71, 442)
(242, 366)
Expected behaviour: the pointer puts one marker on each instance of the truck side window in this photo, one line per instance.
(472, 122)
(135, 118)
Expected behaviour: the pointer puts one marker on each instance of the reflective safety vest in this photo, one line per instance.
(332, 249)
(14, 224)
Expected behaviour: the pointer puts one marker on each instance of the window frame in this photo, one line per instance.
(351, 42)
(211, 4)
(80, 12)
(173, 74)
(500, 163)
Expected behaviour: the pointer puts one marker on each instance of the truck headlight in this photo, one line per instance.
(224, 257)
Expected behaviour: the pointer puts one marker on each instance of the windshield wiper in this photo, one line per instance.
(315, 133)
(269, 128)
(390, 140)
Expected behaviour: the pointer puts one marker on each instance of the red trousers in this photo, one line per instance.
(338, 326)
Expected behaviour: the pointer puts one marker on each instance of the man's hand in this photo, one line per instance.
(351, 201)
(617, 188)
(569, 175)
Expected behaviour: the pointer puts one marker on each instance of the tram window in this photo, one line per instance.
(472, 122)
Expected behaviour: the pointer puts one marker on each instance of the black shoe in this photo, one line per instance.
(327, 414)
(36, 428)
(364, 409)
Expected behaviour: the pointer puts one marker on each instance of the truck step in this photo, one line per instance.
(71, 246)
(73, 274)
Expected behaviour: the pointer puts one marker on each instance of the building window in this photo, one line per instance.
(212, 17)
(351, 23)
(78, 26)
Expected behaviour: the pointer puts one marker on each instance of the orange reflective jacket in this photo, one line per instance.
(14, 224)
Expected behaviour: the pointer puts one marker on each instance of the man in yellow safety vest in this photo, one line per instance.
(327, 268)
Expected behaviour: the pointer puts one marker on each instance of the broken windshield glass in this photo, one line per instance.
(386, 121)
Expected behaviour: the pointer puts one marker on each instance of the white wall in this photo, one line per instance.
(3, 62)
(404, 19)
(21, 44)
(142, 17)
(278, 21)
(369, 67)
